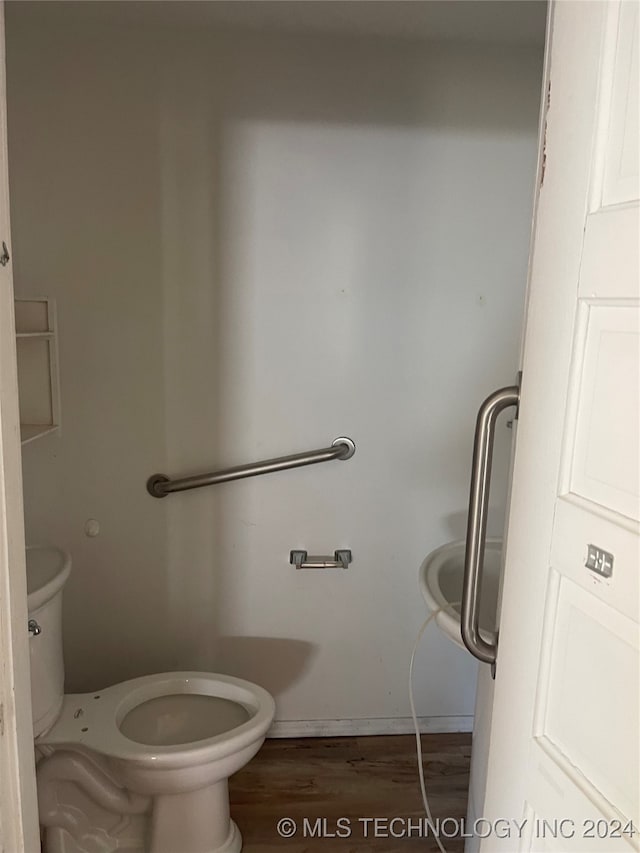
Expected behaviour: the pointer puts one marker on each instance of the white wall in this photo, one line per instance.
(259, 243)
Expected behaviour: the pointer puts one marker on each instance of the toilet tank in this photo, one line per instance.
(47, 571)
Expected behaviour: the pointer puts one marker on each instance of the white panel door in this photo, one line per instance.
(564, 752)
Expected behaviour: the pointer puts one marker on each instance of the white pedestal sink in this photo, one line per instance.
(441, 575)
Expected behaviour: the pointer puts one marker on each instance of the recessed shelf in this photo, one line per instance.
(29, 432)
(37, 353)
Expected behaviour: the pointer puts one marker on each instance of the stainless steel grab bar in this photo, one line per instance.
(159, 485)
(477, 521)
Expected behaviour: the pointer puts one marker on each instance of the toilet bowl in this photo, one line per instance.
(142, 764)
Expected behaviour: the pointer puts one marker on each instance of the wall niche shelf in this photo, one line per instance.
(38, 385)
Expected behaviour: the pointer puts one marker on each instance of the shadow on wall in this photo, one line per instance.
(244, 657)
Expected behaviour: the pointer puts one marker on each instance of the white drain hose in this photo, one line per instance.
(416, 727)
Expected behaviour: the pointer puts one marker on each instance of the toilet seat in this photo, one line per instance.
(93, 720)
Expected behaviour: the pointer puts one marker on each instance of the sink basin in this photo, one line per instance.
(47, 571)
(440, 577)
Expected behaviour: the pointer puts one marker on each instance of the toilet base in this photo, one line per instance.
(194, 822)
(59, 841)
(233, 844)
(83, 810)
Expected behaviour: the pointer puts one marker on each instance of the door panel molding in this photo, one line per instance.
(593, 649)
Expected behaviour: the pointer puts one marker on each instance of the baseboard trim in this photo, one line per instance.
(374, 726)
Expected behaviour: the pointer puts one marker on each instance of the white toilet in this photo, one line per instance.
(142, 765)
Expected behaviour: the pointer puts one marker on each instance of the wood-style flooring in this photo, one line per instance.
(350, 778)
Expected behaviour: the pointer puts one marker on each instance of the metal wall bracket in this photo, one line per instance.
(301, 560)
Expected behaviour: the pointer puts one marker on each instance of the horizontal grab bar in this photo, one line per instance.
(159, 485)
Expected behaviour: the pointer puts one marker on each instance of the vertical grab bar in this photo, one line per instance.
(477, 521)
